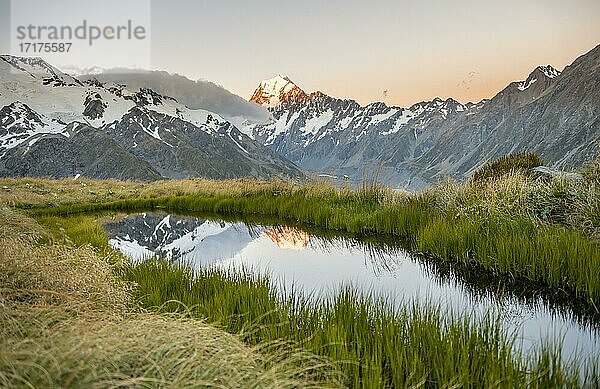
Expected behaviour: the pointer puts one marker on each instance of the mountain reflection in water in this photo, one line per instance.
(288, 237)
(320, 266)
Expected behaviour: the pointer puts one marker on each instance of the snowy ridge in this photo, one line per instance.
(546, 71)
(321, 117)
(19, 123)
(55, 99)
(549, 71)
(39, 69)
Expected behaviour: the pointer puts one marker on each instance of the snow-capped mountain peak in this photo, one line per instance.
(37, 68)
(277, 83)
(549, 71)
(544, 72)
(277, 90)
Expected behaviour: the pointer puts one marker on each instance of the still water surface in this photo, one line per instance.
(320, 266)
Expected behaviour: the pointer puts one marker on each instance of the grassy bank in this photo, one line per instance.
(544, 231)
(68, 320)
(371, 344)
(58, 294)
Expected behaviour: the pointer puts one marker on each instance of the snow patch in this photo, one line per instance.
(314, 124)
(522, 86)
(381, 117)
(237, 144)
(401, 121)
(132, 249)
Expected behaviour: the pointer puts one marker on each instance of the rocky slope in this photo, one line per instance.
(52, 124)
(556, 114)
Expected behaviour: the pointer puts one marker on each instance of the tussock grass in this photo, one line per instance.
(513, 163)
(148, 350)
(591, 171)
(68, 320)
(28, 192)
(376, 346)
(560, 201)
(373, 344)
(57, 274)
(544, 231)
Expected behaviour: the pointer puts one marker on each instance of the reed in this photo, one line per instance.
(374, 344)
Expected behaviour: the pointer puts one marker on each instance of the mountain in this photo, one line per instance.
(184, 238)
(113, 125)
(324, 134)
(52, 124)
(556, 114)
(276, 91)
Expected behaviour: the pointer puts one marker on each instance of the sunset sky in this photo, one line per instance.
(416, 50)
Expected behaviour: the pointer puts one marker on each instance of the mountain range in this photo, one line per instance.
(154, 125)
(554, 113)
(194, 239)
(53, 124)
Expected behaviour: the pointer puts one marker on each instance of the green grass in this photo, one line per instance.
(548, 253)
(519, 162)
(374, 344)
(81, 229)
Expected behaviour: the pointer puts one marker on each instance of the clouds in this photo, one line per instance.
(199, 94)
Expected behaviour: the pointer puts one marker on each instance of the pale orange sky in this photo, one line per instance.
(416, 50)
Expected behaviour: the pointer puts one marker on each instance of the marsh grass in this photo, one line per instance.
(542, 231)
(374, 344)
(552, 256)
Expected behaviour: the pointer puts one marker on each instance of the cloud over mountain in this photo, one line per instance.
(199, 94)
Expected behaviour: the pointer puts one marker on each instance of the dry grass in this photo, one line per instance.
(66, 320)
(54, 274)
(23, 192)
(591, 171)
(144, 350)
